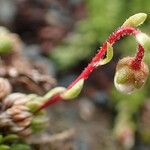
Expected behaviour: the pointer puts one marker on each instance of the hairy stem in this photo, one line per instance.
(101, 52)
(136, 64)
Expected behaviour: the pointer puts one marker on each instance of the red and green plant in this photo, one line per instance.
(131, 72)
(131, 75)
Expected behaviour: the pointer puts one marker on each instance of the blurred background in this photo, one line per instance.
(59, 39)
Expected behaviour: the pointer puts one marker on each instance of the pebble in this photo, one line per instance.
(86, 109)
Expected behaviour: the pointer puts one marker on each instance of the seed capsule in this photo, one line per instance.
(128, 80)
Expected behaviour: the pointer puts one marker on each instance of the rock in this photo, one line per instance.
(86, 109)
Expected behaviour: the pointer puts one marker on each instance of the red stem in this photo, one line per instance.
(101, 52)
(136, 64)
(49, 102)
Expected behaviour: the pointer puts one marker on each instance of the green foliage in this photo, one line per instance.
(12, 142)
(15, 147)
(132, 102)
(10, 138)
(20, 147)
(4, 147)
(38, 124)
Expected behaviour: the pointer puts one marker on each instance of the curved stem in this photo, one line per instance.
(136, 64)
(101, 52)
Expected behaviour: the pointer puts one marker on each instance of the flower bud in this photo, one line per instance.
(127, 79)
(135, 20)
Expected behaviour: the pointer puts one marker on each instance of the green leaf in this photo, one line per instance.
(38, 123)
(54, 91)
(135, 20)
(109, 55)
(34, 105)
(74, 91)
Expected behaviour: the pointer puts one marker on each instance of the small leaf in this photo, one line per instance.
(109, 55)
(33, 105)
(74, 91)
(53, 92)
(38, 123)
(135, 20)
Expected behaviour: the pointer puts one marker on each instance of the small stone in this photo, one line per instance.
(86, 109)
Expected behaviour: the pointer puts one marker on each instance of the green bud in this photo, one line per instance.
(54, 91)
(38, 123)
(135, 20)
(33, 105)
(144, 40)
(123, 75)
(74, 91)
(128, 80)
